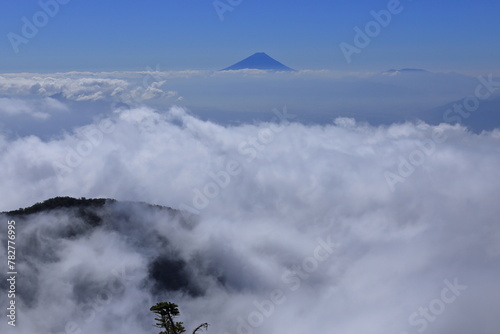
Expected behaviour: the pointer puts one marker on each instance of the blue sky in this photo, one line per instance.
(111, 35)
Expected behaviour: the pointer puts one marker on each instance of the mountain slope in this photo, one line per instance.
(259, 61)
(46, 231)
(485, 117)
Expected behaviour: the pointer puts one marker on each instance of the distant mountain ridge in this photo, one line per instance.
(485, 118)
(69, 220)
(66, 202)
(259, 61)
(406, 70)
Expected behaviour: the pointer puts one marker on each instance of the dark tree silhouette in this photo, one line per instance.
(166, 312)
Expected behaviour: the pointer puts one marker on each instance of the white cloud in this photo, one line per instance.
(265, 194)
(37, 108)
(84, 86)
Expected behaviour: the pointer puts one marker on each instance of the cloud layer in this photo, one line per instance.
(342, 227)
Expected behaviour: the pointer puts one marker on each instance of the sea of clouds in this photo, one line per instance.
(44, 104)
(341, 227)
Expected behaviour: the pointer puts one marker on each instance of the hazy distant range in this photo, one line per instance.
(247, 92)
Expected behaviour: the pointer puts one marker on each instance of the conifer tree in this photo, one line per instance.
(166, 312)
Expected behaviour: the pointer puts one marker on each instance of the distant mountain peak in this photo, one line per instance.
(403, 70)
(259, 61)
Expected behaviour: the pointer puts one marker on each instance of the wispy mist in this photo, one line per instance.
(343, 227)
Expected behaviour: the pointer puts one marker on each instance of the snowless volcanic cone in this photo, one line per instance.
(259, 61)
